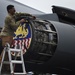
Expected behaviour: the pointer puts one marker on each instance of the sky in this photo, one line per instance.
(45, 5)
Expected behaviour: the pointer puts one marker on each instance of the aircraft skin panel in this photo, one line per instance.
(63, 58)
(52, 17)
(65, 52)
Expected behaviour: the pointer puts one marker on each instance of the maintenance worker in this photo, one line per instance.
(10, 26)
(10, 23)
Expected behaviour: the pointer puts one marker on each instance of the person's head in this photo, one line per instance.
(11, 9)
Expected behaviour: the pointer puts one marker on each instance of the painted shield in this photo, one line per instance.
(22, 38)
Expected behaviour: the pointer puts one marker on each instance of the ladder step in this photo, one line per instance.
(15, 50)
(19, 73)
(17, 61)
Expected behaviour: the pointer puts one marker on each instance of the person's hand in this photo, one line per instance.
(22, 20)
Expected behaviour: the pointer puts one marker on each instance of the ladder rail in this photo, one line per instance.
(2, 61)
(23, 65)
(11, 65)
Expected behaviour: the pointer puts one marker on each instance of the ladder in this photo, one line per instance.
(13, 62)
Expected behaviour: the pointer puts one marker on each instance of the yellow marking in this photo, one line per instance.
(21, 31)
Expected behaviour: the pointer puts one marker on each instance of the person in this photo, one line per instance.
(7, 31)
(10, 26)
(10, 23)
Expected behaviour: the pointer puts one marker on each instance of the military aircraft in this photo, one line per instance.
(48, 42)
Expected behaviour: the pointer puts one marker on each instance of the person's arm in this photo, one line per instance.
(23, 15)
(11, 22)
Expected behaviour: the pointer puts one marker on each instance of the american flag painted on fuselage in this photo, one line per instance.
(21, 43)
